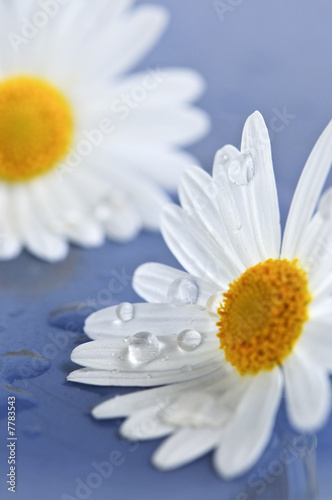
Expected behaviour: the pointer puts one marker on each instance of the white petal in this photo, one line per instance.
(161, 163)
(170, 86)
(113, 354)
(152, 281)
(133, 37)
(145, 424)
(308, 391)
(38, 239)
(196, 250)
(123, 223)
(325, 287)
(320, 308)
(139, 379)
(121, 406)
(199, 196)
(66, 212)
(316, 340)
(262, 190)
(159, 319)
(177, 125)
(10, 244)
(307, 193)
(185, 446)
(146, 196)
(234, 208)
(249, 430)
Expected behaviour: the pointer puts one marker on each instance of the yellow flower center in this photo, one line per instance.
(263, 314)
(36, 128)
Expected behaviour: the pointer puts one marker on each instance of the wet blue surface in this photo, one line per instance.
(271, 56)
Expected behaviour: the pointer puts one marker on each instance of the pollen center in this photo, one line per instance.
(263, 314)
(36, 128)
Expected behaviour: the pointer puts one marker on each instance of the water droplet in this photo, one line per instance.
(241, 170)
(143, 347)
(115, 371)
(224, 158)
(120, 358)
(125, 311)
(186, 369)
(165, 358)
(189, 340)
(183, 291)
(238, 226)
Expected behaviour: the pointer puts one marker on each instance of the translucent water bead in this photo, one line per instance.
(125, 311)
(143, 347)
(189, 340)
(241, 170)
(183, 291)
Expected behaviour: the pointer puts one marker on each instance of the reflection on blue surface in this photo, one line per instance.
(271, 56)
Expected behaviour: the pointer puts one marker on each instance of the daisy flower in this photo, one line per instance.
(86, 150)
(250, 318)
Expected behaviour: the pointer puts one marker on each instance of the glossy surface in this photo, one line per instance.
(271, 56)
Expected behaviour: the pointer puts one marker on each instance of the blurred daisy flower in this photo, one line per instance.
(84, 150)
(246, 322)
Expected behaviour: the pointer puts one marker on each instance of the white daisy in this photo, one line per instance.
(84, 150)
(247, 321)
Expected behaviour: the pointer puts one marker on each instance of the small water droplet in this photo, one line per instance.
(125, 311)
(183, 291)
(165, 358)
(143, 347)
(224, 158)
(120, 358)
(241, 170)
(115, 371)
(238, 226)
(189, 340)
(186, 369)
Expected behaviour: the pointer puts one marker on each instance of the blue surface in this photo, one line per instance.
(271, 56)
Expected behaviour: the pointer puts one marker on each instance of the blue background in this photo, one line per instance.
(259, 54)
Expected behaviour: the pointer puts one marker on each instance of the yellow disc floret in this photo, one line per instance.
(263, 314)
(36, 128)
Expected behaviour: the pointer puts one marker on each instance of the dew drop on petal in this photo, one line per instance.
(183, 291)
(189, 340)
(241, 170)
(125, 311)
(186, 369)
(143, 347)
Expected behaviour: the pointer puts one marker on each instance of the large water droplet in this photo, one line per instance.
(189, 340)
(143, 347)
(125, 311)
(183, 291)
(241, 170)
